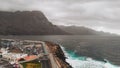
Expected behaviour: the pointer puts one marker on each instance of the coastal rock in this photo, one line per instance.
(58, 54)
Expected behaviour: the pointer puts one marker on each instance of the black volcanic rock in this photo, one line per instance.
(27, 23)
(58, 54)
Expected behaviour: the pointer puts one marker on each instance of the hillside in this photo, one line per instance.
(27, 23)
(80, 30)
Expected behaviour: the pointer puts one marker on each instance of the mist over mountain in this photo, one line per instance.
(80, 30)
(27, 23)
(36, 23)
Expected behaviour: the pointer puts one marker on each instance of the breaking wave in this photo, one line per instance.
(85, 62)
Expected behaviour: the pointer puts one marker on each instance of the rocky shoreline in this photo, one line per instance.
(58, 54)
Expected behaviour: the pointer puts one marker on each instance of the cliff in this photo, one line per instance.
(27, 23)
(80, 30)
(58, 55)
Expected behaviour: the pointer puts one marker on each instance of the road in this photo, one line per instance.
(50, 56)
(46, 58)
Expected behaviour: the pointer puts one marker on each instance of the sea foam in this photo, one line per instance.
(85, 62)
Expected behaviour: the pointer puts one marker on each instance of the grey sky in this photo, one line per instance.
(97, 14)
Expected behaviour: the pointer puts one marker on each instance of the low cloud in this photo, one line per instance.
(89, 13)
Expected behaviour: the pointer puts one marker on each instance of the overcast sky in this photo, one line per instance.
(97, 14)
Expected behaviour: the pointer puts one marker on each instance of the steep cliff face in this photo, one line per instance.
(58, 55)
(27, 23)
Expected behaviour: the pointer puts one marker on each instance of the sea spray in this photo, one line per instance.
(84, 62)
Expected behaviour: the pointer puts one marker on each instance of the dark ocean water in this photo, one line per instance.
(91, 51)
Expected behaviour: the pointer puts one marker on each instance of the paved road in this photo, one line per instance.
(48, 59)
(46, 63)
(50, 56)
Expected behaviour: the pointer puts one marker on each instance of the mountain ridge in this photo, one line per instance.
(36, 23)
(81, 30)
(27, 23)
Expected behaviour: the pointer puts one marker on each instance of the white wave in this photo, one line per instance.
(76, 62)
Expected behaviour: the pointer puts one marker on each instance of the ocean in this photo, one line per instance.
(85, 51)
